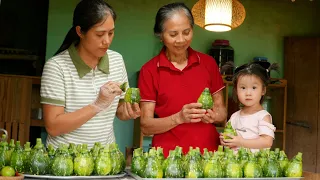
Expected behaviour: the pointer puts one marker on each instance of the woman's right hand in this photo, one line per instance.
(190, 113)
(106, 95)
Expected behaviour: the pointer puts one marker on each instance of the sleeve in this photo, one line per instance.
(233, 119)
(265, 127)
(217, 82)
(124, 77)
(146, 85)
(52, 84)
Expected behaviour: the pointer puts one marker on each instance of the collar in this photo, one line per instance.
(82, 67)
(163, 61)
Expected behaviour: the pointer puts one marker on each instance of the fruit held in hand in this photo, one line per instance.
(229, 130)
(123, 86)
(206, 99)
(132, 95)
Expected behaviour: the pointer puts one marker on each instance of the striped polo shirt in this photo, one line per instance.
(67, 81)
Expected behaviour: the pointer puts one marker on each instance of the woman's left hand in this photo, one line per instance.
(235, 141)
(132, 110)
(210, 116)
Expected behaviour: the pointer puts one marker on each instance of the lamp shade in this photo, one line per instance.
(238, 13)
(218, 15)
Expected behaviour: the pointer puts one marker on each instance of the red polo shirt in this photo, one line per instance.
(170, 88)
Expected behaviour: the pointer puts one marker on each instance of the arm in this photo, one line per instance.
(57, 122)
(190, 113)
(263, 141)
(218, 114)
(150, 125)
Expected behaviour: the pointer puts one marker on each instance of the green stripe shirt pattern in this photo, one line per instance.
(62, 86)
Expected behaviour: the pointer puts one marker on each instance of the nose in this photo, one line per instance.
(248, 92)
(180, 38)
(106, 40)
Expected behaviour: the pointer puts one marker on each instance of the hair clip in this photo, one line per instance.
(267, 70)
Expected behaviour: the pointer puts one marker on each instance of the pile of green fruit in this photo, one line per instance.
(66, 160)
(223, 163)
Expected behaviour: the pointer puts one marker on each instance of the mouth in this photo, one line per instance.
(104, 49)
(180, 47)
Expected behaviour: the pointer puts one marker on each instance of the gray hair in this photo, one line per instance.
(166, 12)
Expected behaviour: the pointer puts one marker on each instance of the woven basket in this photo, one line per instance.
(21, 176)
(238, 13)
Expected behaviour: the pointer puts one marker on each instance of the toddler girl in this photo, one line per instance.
(252, 123)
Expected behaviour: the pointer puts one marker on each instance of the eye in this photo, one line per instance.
(186, 32)
(254, 87)
(173, 35)
(100, 34)
(110, 33)
(242, 87)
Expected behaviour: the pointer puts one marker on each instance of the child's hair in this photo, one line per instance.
(251, 68)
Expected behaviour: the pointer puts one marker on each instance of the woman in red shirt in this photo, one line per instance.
(171, 82)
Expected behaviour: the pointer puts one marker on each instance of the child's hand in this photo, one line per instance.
(235, 141)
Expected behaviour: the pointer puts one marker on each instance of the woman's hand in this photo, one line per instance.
(235, 141)
(132, 110)
(106, 95)
(210, 116)
(190, 113)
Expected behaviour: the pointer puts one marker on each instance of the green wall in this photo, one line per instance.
(261, 34)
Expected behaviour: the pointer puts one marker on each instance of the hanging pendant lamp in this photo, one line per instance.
(238, 13)
(218, 15)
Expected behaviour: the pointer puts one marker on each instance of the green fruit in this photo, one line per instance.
(83, 162)
(252, 169)
(138, 162)
(194, 166)
(124, 86)
(8, 171)
(294, 168)
(213, 169)
(228, 130)
(9, 152)
(26, 157)
(119, 164)
(174, 166)
(62, 163)
(283, 161)
(153, 167)
(103, 162)
(206, 99)
(39, 159)
(17, 158)
(132, 95)
(272, 168)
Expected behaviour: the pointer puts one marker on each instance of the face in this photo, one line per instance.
(177, 34)
(250, 89)
(98, 38)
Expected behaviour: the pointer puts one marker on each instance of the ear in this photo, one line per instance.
(78, 30)
(161, 37)
(264, 91)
